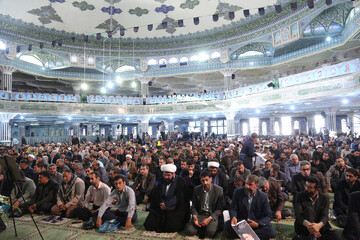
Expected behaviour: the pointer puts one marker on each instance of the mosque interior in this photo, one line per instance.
(230, 67)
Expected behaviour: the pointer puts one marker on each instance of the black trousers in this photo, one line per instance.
(84, 213)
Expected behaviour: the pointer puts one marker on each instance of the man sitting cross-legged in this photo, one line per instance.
(124, 198)
(207, 206)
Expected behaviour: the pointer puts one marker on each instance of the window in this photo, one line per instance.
(251, 54)
(264, 128)
(91, 60)
(194, 126)
(184, 59)
(125, 131)
(286, 125)
(150, 130)
(31, 59)
(2, 45)
(74, 59)
(118, 130)
(203, 57)
(173, 60)
(152, 62)
(162, 61)
(215, 55)
(194, 58)
(276, 128)
(296, 125)
(319, 123)
(245, 129)
(218, 126)
(125, 68)
(254, 125)
(357, 125)
(135, 131)
(343, 125)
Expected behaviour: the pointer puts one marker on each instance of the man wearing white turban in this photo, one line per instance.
(169, 212)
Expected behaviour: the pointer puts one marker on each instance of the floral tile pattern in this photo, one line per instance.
(190, 4)
(164, 9)
(106, 25)
(83, 6)
(111, 10)
(138, 11)
(223, 10)
(171, 25)
(46, 14)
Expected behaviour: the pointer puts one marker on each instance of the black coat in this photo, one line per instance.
(352, 228)
(45, 194)
(304, 210)
(342, 196)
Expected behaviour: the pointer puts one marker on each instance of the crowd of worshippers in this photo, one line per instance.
(189, 185)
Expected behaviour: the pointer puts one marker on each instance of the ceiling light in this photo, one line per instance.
(171, 117)
(214, 115)
(43, 68)
(110, 84)
(251, 63)
(133, 84)
(84, 86)
(258, 111)
(154, 118)
(21, 117)
(203, 57)
(127, 119)
(106, 118)
(308, 103)
(103, 90)
(69, 118)
(292, 107)
(195, 117)
(118, 79)
(345, 101)
(328, 39)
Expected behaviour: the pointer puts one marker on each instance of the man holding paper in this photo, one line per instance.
(252, 205)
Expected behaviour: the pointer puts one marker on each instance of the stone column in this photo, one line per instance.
(230, 117)
(310, 124)
(144, 85)
(76, 128)
(5, 128)
(202, 126)
(228, 82)
(330, 119)
(171, 125)
(272, 125)
(143, 126)
(113, 130)
(6, 82)
(21, 127)
(350, 121)
(237, 126)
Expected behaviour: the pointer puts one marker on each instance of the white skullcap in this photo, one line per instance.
(32, 156)
(128, 156)
(168, 168)
(213, 164)
(319, 146)
(231, 145)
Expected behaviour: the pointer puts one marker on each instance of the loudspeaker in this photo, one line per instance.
(81, 125)
(150, 83)
(232, 76)
(118, 127)
(323, 115)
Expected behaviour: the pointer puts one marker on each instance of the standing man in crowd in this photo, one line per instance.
(248, 151)
(162, 130)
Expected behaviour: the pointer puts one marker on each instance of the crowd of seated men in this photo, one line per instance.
(187, 185)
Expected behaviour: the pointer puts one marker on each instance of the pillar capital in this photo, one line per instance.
(6, 69)
(230, 115)
(145, 79)
(227, 72)
(6, 117)
(331, 110)
(145, 118)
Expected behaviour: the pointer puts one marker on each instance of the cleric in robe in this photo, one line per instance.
(169, 212)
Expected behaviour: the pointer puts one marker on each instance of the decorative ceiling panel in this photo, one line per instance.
(92, 16)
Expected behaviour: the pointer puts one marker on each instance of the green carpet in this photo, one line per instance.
(70, 230)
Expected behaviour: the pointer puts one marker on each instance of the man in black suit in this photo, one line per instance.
(352, 228)
(248, 151)
(298, 181)
(144, 184)
(218, 177)
(342, 193)
(251, 204)
(280, 177)
(311, 211)
(45, 194)
(207, 206)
